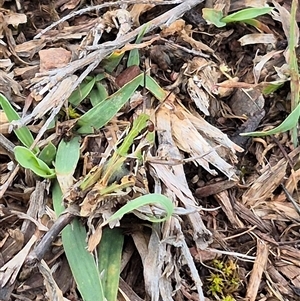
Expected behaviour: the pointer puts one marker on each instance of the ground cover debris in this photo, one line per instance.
(149, 150)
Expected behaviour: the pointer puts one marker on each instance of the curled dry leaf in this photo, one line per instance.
(124, 20)
(205, 73)
(180, 29)
(174, 28)
(257, 38)
(137, 10)
(214, 135)
(120, 19)
(199, 97)
(260, 62)
(284, 16)
(189, 140)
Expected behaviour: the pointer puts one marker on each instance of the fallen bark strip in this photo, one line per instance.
(258, 269)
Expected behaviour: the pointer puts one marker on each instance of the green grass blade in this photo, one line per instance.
(293, 64)
(138, 125)
(67, 157)
(112, 61)
(98, 95)
(247, 13)
(109, 256)
(100, 76)
(133, 58)
(81, 262)
(134, 55)
(271, 87)
(289, 123)
(155, 88)
(114, 166)
(102, 113)
(48, 153)
(148, 199)
(255, 23)
(23, 133)
(81, 92)
(213, 16)
(27, 159)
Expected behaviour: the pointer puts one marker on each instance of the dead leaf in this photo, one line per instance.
(137, 10)
(246, 102)
(8, 86)
(70, 4)
(9, 271)
(53, 291)
(284, 17)
(54, 99)
(199, 97)
(257, 38)
(190, 141)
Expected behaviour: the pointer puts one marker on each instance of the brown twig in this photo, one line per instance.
(38, 253)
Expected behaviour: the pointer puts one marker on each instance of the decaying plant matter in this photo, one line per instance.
(128, 169)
